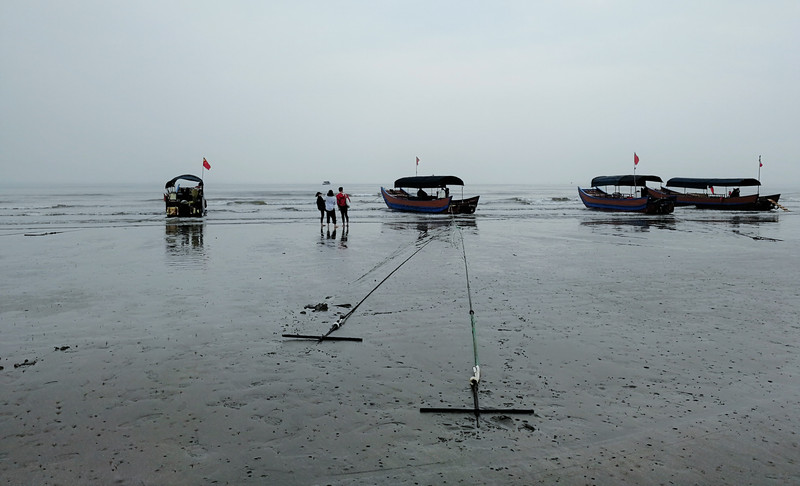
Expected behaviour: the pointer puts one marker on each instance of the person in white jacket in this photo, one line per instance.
(330, 207)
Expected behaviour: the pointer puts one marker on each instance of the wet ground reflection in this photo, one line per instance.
(184, 242)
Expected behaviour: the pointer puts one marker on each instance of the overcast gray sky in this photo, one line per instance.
(352, 91)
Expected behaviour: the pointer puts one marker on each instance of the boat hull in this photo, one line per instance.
(596, 199)
(463, 206)
(400, 200)
(752, 202)
(185, 208)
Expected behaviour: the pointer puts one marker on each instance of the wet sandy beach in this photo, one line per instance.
(652, 351)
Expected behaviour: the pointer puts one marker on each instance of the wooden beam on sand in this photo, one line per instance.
(494, 411)
(775, 203)
(322, 338)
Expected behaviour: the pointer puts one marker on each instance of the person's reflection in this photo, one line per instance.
(423, 231)
(345, 231)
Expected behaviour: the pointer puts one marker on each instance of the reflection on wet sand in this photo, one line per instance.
(429, 225)
(184, 242)
(330, 235)
(636, 223)
(746, 224)
(740, 219)
(689, 220)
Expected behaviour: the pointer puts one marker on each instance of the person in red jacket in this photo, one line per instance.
(343, 202)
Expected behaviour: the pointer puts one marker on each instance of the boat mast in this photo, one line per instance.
(758, 188)
(759, 168)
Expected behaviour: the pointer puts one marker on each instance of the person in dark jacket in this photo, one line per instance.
(321, 207)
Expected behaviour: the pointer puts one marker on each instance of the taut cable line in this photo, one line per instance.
(475, 379)
(340, 321)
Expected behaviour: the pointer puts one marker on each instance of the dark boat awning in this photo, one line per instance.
(428, 181)
(624, 180)
(700, 183)
(186, 177)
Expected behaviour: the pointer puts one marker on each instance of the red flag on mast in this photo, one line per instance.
(206, 164)
(635, 159)
(759, 162)
(417, 160)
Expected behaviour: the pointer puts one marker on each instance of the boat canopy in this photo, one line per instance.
(428, 181)
(695, 183)
(624, 180)
(186, 177)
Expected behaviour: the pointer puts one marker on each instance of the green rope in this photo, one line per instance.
(476, 370)
(474, 338)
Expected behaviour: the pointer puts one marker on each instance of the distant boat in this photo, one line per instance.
(596, 198)
(436, 200)
(185, 201)
(725, 200)
(326, 183)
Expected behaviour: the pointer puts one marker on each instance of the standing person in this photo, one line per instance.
(343, 201)
(321, 207)
(330, 207)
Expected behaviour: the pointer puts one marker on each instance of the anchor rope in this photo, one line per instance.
(389, 258)
(475, 379)
(340, 322)
(469, 298)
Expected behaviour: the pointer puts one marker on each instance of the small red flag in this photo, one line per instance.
(712, 189)
(206, 164)
(759, 162)
(417, 160)
(635, 159)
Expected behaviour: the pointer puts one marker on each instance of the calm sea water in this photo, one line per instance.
(26, 210)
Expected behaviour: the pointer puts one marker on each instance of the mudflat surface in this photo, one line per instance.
(651, 352)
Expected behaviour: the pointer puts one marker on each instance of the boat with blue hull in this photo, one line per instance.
(428, 194)
(624, 197)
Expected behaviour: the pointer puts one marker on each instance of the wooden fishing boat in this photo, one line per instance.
(627, 201)
(409, 194)
(728, 198)
(188, 201)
